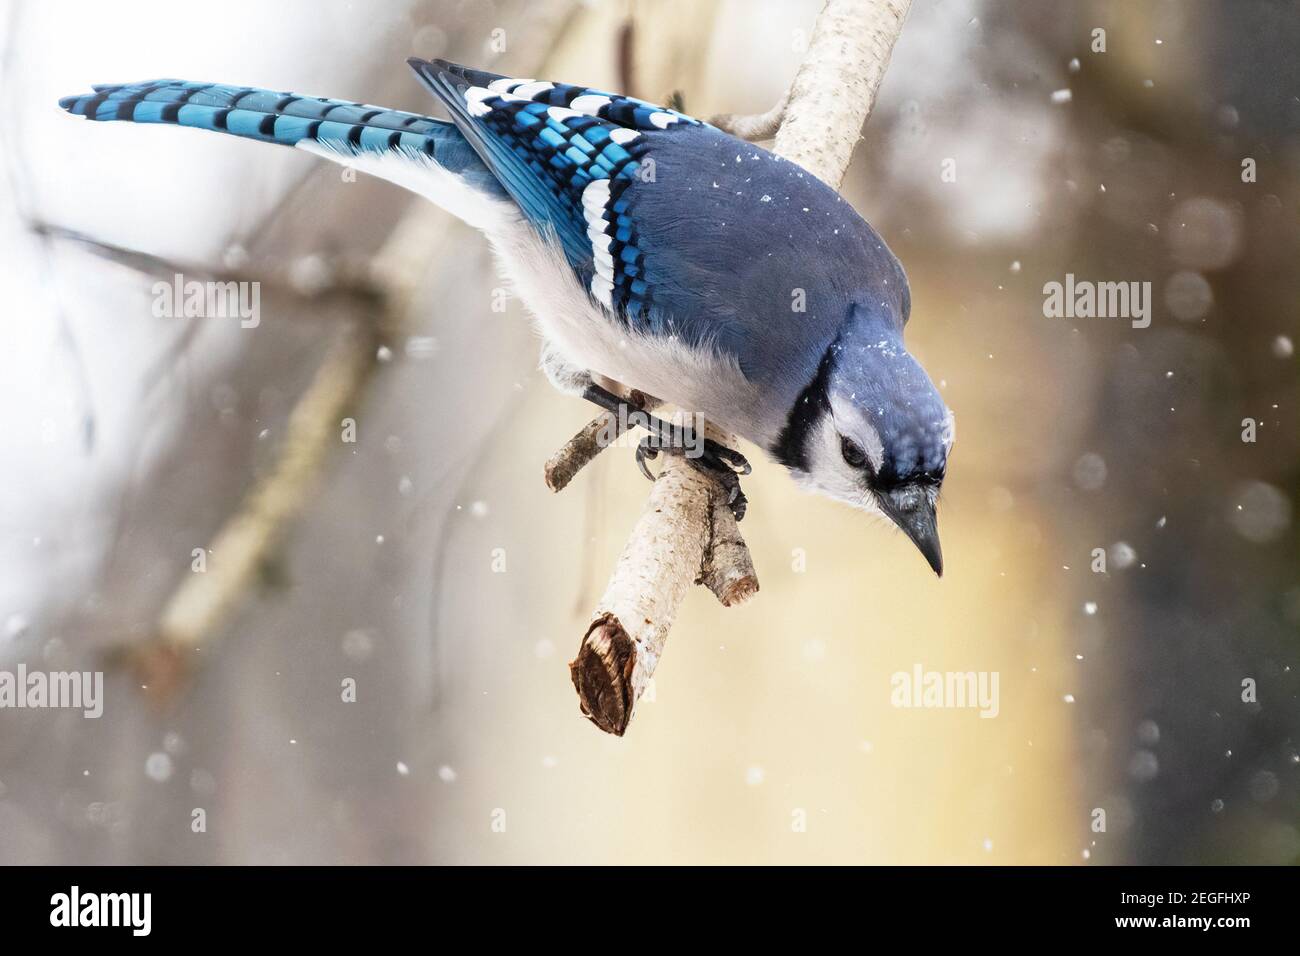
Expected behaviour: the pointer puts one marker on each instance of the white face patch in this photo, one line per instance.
(851, 422)
(828, 473)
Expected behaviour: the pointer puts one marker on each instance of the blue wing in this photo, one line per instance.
(567, 154)
(676, 227)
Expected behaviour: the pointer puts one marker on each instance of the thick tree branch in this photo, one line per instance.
(835, 88)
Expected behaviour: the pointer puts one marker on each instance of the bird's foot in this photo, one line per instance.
(711, 457)
(719, 461)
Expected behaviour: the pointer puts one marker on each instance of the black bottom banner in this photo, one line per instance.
(333, 905)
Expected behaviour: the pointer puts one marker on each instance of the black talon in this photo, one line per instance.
(645, 451)
(726, 459)
(736, 499)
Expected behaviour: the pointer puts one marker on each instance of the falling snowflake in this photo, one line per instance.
(158, 767)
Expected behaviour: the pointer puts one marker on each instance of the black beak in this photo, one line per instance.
(913, 511)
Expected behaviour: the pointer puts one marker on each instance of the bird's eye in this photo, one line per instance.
(852, 452)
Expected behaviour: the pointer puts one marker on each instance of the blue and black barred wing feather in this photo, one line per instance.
(567, 155)
(287, 119)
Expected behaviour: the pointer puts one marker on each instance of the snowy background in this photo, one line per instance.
(127, 440)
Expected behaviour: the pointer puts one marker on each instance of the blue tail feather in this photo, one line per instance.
(284, 118)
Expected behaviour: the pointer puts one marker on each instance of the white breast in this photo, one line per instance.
(589, 336)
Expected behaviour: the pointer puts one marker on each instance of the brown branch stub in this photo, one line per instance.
(602, 674)
(578, 451)
(756, 126)
(597, 435)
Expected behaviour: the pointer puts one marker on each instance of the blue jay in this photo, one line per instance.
(652, 249)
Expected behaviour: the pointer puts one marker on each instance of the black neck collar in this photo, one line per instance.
(813, 402)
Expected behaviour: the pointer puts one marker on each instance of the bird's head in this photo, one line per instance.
(872, 431)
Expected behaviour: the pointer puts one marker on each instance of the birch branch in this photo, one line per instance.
(835, 88)
(686, 532)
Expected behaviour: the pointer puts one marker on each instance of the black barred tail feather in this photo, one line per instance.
(288, 119)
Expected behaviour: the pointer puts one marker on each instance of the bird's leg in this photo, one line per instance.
(669, 438)
(726, 464)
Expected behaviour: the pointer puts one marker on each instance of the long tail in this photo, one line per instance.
(350, 133)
